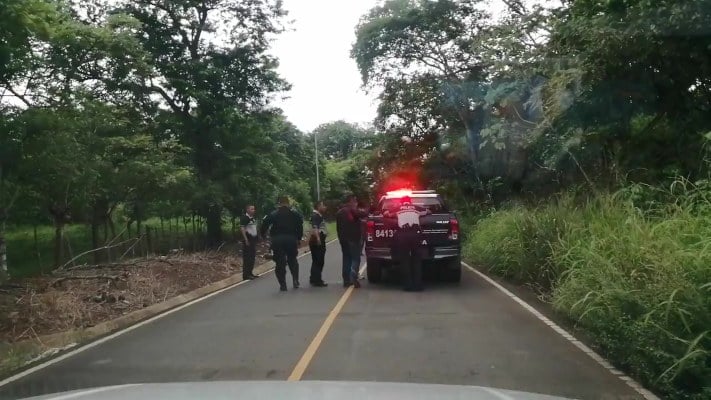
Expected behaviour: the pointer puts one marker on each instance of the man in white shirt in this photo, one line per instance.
(248, 229)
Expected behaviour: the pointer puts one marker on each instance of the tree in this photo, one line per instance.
(212, 70)
(425, 46)
(339, 139)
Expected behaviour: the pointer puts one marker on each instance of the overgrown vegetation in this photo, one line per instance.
(631, 271)
(158, 109)
(504, 112)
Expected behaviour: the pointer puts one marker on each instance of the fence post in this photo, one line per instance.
(149, 242)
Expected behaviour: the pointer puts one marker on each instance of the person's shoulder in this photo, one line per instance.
(244, 220)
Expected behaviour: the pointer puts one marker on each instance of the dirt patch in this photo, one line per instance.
(83, 297)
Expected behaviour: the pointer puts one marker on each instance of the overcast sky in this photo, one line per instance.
(315, 59)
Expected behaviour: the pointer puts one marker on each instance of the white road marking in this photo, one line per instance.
(128, 329)
(567, 336)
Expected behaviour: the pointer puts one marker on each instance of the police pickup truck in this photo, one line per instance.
(440, 247)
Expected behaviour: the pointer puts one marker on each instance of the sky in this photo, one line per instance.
(314, 57)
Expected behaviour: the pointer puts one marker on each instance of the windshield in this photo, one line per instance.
(434, 204)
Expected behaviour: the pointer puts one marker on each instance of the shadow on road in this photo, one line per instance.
(432, 281)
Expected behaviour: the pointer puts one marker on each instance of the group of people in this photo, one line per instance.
(285, 227)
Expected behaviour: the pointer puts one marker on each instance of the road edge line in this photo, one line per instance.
(648, 395)
(116, 333)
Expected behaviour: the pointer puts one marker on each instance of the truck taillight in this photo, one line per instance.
(453, 229)
(370, 230)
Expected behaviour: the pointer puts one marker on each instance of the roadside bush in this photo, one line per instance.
(517, 244)
(637, 280)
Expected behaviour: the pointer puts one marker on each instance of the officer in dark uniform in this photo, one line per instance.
(404, 218)
(286, 228)
(317, 244)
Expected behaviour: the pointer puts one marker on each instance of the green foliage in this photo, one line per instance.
(122, 112)
(636, 280)
(23, 21)
(339, 139)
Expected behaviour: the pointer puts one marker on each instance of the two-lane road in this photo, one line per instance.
(470, 334)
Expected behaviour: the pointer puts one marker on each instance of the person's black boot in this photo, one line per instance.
(296, 284)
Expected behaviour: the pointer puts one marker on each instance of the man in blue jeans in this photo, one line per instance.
(348, 227)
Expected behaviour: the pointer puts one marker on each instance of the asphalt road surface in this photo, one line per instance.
(469, 333)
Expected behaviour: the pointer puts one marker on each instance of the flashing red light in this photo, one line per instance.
(400, 193)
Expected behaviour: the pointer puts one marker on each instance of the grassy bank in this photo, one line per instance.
(632, 269)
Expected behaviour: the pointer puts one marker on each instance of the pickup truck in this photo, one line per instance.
(440, 244)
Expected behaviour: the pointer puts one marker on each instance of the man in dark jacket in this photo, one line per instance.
(348, 227)
(286, 229)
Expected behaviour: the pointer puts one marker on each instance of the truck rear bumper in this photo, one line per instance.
(437, 253)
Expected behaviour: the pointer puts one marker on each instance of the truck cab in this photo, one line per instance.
(440, 245)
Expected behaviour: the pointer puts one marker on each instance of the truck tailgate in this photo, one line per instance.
(435, 231)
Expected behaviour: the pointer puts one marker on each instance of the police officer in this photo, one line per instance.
(286, 228)
(317, 244)
(248, 229)
(404, 218)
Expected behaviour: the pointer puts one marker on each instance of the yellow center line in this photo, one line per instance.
(310, 352)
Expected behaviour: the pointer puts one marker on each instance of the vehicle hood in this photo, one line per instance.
(303, 390)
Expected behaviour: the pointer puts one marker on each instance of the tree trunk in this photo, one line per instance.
(473, 121)
(214, 226)
(95, 224)
(58, 243)
(234, 228)
(138, 237)
(112, 226)
(37, 250)
(193, 240)
(149, 241)
(4, 275)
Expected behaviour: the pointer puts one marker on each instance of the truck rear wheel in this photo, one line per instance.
(375, 270)
(452, 271)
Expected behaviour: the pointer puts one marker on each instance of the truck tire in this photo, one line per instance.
(375, 270)
(452, 271)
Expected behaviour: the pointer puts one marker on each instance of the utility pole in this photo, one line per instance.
(318, 181)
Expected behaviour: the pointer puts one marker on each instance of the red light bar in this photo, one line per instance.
(400, 193)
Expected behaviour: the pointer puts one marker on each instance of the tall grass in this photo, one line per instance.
(632, 269)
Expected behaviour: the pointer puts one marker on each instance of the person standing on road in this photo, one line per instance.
(248, 228)
(406, 248)
(286, 229)
(317, 244)
(348, 221)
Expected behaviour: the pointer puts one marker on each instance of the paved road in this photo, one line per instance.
(452, 334)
